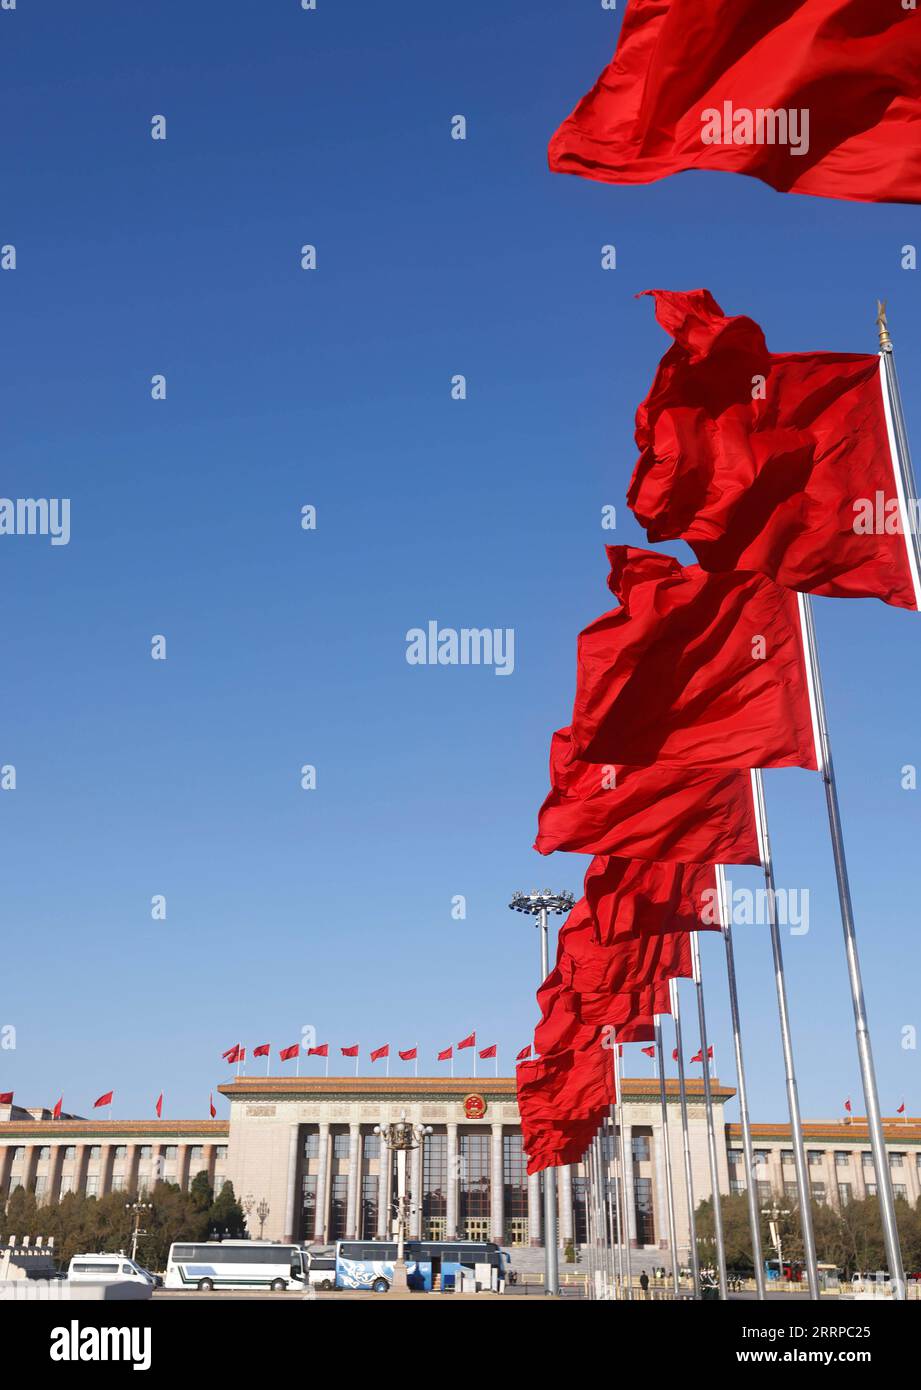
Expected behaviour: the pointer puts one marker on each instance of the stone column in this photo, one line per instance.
(133, 1164)
(182, 1166)
(451, 1206)
(30, 1166)
(320, 1224)
(6, 1167)
(534, 1210)
(564, 1194)
(629, 1191)
(354, 1183)
(660, 1212)
(383, 1190)
(415, 1193)
(106, 1165)
(496, 1186)
(54, 1172)
(81, 1158)
(291, 1189)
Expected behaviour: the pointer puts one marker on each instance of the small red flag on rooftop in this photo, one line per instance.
(6, 1097)
(524, 1054)
(211, 1104)
(159, 1106)
(56, 1112)
(104, 1099)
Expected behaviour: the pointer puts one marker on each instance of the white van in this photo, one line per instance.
(107, 1269)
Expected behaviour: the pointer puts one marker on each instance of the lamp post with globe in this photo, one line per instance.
(540, 905)
(401, 1137)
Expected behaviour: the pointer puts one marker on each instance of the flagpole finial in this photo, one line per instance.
(885, 341)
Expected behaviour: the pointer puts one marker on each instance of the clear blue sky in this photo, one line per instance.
(332, 908)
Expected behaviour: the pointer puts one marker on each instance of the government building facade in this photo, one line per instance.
(305, 1149)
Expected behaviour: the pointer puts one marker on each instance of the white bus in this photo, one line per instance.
(237, 1264)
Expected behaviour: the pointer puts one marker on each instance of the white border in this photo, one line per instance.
(907, 531)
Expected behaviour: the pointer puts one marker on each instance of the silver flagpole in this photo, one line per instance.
(622, 1185)
(864, 1049)
(901, 454)
(754, 1216)
(711, 1129)
(693, 1256)
(601, 1214)
(796, 1121)
(614, 1202)
(669, 1183)
(589, 1220)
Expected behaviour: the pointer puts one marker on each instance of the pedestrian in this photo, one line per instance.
(644, 1283)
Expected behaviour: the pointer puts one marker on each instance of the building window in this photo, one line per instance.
(642, 1201)
(118, 1182)
(95, 1151)
(871, 1189)
(368, 1229)
(842, 1159)
(171, 1151)
(896, 1160)
(609, 1144)
(44, 1152)
(845, 1193)
(41, 1189)
(196, 1153)
(786, 1156)
(474, 1177)
(372, 1145)
(337, 1206)
(818, 1193)
(791, 1192)
(900, 1190)
(640, 1147)
(579, 1212)
(308, 1205)
(220, 1151)
(762, 1156)
(341, 1144)
(311, 1144)
(434, 1185)
(19, 1154)
(866, 1160)
(816, 1157)
(736, 1188)
(92, 1185)
(765, 1193)
(121, 1150)
(146, 1151)
(70, 1152)
(515, 1183)
(737, 1157)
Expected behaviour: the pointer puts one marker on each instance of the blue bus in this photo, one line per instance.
(430, 1264)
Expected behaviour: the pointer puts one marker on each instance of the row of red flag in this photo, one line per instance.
(237, 1053)
(106, 1099)
(762, 462)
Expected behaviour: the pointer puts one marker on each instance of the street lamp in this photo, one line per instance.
(401, 1138)
(773, 1214)
(539, 906)
(138, 1208)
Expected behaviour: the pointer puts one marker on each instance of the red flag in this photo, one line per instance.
(410, 1055)
(233, 1054)
(242, 1054)
(469, 1041)
(814, 96)
(287, 1054)
(56, 1112)
(524, 1054)
(321, 1051)
(211, 1104)
(263, 1050)
(488, 1052)
(639, 1029)
(699, 1056)
(559, 1096)
(794, 480)
(159, 1106)
(642, 897)
(693, 669)
(446, 1055)
(674, 1054)
(380, 1052)
(648, 1051)
(349, 1051)
(692, 815)
(6, 1097)
(847, 1105)
(105, 1099)
(900, 1110)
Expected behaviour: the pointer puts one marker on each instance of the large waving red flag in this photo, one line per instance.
(691, 815)
(629, 897)
(562, 1100)
(693, 670)
(794, 479)
(811, 96)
